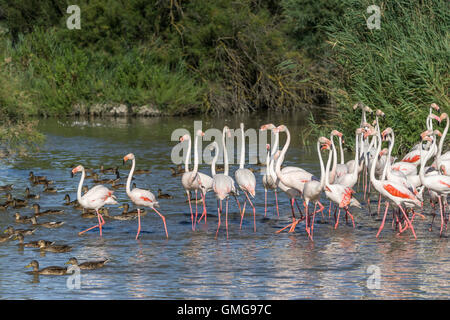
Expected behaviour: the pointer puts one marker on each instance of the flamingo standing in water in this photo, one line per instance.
(246, 180)
(395, 192)
(269, 178)
(141, 197)
(194, 180)
(95, 198)
(292, 178)
(437, 182)
(313, 188)
(223, 184)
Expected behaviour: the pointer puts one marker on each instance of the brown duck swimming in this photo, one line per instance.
(6, 187)
(54, 248)
(52, 270)
(88, 265)
(22, 219)
(28, 195)
(26, 232)
(32, 177)
(134, 212)
(164, 195)
(31, 244)
(5, 237)
(50, 225)
(38, 212)
(104, 181)
(49, 189)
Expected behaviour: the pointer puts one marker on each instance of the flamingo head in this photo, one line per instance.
(185, 137)
(76, 169)
(383, 152)
(281, 128)
(380, 113)
(437, 132)
(267, 147)
(336, 133)
(129, 156)
(443, 116)
(199, 133)
(435, 117)
(325, 142)
(269, 126)
(367, 109)
(425, 134)
(359, 131)
(386, 132)
(434, 106)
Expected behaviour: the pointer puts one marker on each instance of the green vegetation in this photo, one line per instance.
(222, 56)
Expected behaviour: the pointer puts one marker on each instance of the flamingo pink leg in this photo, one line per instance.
(384, 219)
(190, 207)
(204, 214)
(276, 201)
(265, 202)
(139, 223)
(101, 222)
(408, 222)
(226, 216)
(254, 212)
(164, 221)
(218, 213)
(337, 220)
(196, 209)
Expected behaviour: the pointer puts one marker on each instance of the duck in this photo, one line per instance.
(164, 195)
(54, 248)
(33, 178)
(116, 185)
(26, 232)
(176, 171)
(17, 203)
(29, 195)
(109, 170)
(120, 217)
(49, 190)
(125, 211)
(88, 265)
(52, 270)
(38, 212)
(22, 219)
(4, 206)
(6, 187)
(73, 203)
(104, 181)
(5, 237)
(31, 244)
(50, 225)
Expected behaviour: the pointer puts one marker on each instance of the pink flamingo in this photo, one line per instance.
(223, 184)
(291, 177)
(437, 182)
(269, 178)
(95, 198)
(246, 180)
(194, 180)
(349, 179)
(395, 192)
(141, 197)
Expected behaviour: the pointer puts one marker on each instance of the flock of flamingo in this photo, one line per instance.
(397, 182)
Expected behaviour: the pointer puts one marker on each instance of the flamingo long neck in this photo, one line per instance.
(355, 170)
(213, 163)
(423, 161)
(274, 150)
(225, 154)
(80, 186)
(441, 145)
(327, 170)
(282, 154)
(195, 154)
(242, 159)
(322, 168)
(387, 166)
(374, 163)
(130, 175)
(341, 150)
(188, 156)
(268, 163)
(333, 170)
